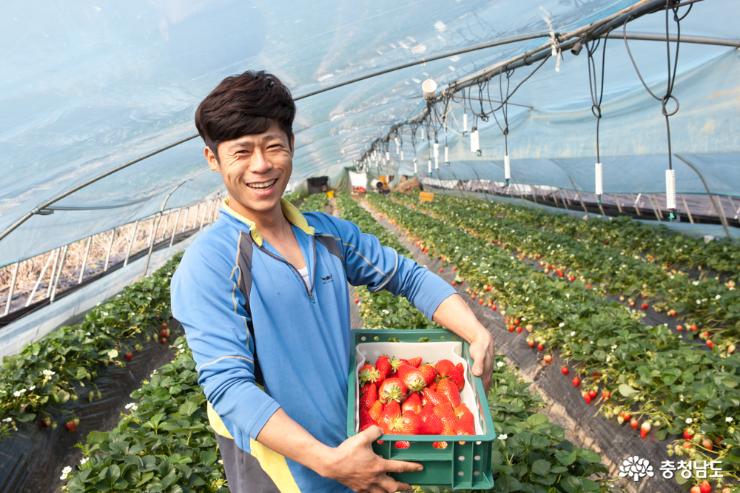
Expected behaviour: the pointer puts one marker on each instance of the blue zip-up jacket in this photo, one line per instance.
(241, 303)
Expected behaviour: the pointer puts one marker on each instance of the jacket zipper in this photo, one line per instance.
(309, 292)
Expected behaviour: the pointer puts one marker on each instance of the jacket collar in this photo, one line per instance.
(291, 213)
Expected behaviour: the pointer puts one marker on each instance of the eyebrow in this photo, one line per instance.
(248, 141)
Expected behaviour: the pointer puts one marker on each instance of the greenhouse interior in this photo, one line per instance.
(569, 170)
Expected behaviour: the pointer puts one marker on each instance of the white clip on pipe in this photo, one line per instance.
(670, 189)
(599, 186)
(507, 167)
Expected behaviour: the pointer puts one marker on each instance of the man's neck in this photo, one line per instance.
(270, 224)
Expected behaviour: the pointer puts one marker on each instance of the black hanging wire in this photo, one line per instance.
(672, 66)
(596, 89)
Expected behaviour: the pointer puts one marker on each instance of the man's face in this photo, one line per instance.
(255, 169)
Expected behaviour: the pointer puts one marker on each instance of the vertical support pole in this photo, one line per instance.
(555, 196)
(110, 247)
(721, 212)
(152, 236)
(38, 281)
(174, 230)
(686, 208)
(131, 243)
(202, 215)
(187, 218)
(534, 194)
(657, 213)
(637, 205)
(619, 206)
(734, 207)
(13, 278)
(84, 259)
(59, 275)
(563, 199)
(583, 205)
(53, 270)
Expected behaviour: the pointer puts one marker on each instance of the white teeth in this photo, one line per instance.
(262, 185)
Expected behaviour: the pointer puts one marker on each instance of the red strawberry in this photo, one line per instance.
(446, 414)
(688, 434)
(439, 445)
(644, 306)
(415, 362)
(368, 374)
(71, 425)
(413, 404)
(449, 390)
(368, 395)
(428, 372)
(634, 424)
(376, 410)
(576, 381)
(395, 363)
(593, 393)
(586, 397)
(645, 429)
(128, 356)
(443, 367)
(465, 420)
(383, 365)
(431, 424)
(402, 444)
(392, 389)
(564, 370)
(458, 375)
(390, 411)
(540, 347)
(405, 424)
(547, 359)
(432, 397)
(365, 419)
(705, 487)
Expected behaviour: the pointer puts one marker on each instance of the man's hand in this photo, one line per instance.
(455, 315)
(481, 350)
(354, 464)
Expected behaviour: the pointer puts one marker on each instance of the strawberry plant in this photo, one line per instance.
(616, 271)
(50, 371)
(654, 373)
(162, 443)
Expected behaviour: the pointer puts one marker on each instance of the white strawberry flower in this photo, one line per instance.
(689, 421)
(719, 296)
(65, 473)
(84, 460)
(695, 283)
(131, 406)
(502, 437)
(729, 419)
(8, 420)
(500, 364)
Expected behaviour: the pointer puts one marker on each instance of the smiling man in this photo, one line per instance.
(263, 297)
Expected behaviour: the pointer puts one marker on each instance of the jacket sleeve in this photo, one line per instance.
(381, 267)
(210, 306)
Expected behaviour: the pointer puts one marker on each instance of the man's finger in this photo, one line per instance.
(391, 485)
(401, 466)
(370, 434)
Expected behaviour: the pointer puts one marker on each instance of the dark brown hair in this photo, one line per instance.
(244, 104)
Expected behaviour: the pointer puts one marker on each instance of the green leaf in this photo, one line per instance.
(626, 390)
(188, 408)
(540, 467)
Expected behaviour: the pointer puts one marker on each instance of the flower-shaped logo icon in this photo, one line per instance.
(636, 468)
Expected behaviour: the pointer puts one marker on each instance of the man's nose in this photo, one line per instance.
(260, 163)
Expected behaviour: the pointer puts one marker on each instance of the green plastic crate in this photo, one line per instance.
(466, 462)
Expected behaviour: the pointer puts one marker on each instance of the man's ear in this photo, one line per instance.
(211, 159)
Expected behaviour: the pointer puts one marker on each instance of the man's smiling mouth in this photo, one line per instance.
(262, 185)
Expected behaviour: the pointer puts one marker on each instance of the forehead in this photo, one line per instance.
(272, 133)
